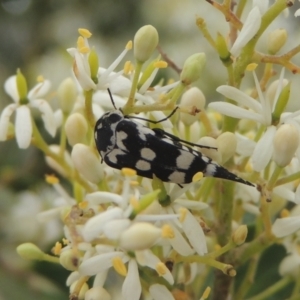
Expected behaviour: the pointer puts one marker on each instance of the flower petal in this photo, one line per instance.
(82, 71)
(240, 97)
(23, 126)
(131, 288)
(263, 150)
(94, 226)
(47, 114)
(234, 111)
(39, 90)
(4, 120)
(194, 233)
(98, 263)
(250, 28)
(159, 291)
(180, 244)
(286, 226)
(10, 87)
(147, 258)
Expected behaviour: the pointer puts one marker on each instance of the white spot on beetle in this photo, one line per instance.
(184, 160)
(147, 153)
(143, 165)
(177, 177)
(112, 155)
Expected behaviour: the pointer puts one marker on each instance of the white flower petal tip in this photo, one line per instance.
(10, 87)
(131, 288)
(4, 120)
(47, 115)
(297, 13)
(250, 28)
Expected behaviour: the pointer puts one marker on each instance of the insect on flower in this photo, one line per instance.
(123, 143)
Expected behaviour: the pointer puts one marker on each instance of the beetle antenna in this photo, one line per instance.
(111, 98)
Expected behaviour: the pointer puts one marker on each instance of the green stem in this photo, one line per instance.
(127, 109)
(274, 177)
(288, 179)
(247, 280)
(89, 108)
(271, 291)
(225, 268)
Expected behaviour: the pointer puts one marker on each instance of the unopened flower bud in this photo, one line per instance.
(30, 251)
(227, 144)
(139, 236)
(240, 235)
(87, 163)
(94, 65)
(67, 95)
(192, 97)
(210, 142)
(145, 41)
(97, 292)
(84, 288)
(222, 49)
(192, 68)
(276, 39)
(76, 128)
(272, 89)
(286, 142)
(281, 102)
(69, 260)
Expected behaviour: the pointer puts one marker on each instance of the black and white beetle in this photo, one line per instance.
(123, 143)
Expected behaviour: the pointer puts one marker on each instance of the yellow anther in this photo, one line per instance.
(128, 172)
(128, 45)
(119, 266)
(134, 203)
(167, 232)
(84, 50)
(84, 32)
(251, 67)
(40, 78)
(51, 179)
(161, 269)
(170, 80)
(160, 64)
(206, 293)
(197, 177)
(127, 67)
(57, 248)
(65, 241)
(83, 204)
(217, 116)
(80, 42)
(284, 213)
(134, 183)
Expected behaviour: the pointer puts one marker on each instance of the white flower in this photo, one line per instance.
(82, 69)
(259, 111)
(23, 125)
(189, 225)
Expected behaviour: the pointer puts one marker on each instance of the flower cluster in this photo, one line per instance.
(127, 237)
